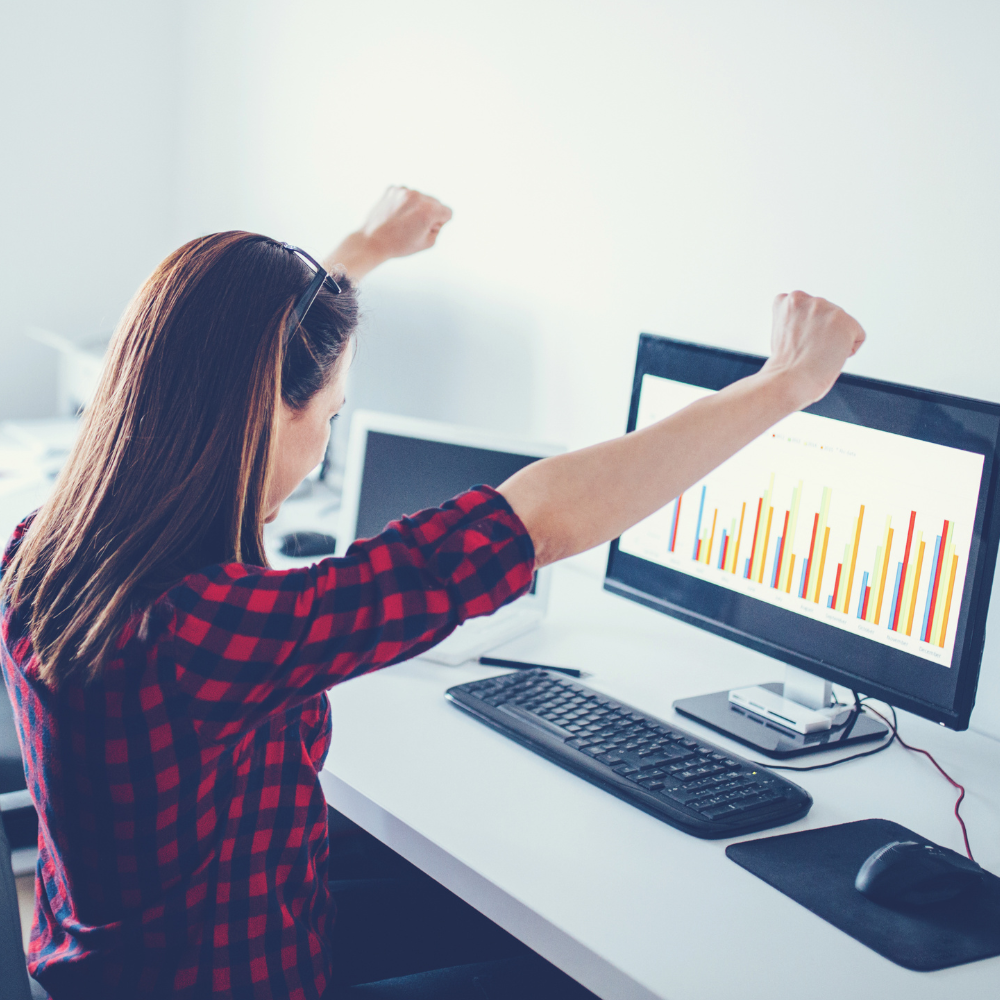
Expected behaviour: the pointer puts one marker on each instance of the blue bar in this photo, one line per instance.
(930, 587)
(673, 524)
(895, 596)
(746, 570)
(861, 596)
(722, 549)
(777, 549)
(805, 577)
(697, 530)
(829, 601)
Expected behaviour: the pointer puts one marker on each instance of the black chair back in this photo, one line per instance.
(14, 972)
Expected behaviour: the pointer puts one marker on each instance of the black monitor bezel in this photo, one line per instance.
(854, 399)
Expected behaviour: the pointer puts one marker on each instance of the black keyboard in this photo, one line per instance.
(686, 782)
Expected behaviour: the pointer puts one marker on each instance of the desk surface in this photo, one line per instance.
(622, 902)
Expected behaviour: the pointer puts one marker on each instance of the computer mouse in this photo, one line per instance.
(905, 873)
(308, 543)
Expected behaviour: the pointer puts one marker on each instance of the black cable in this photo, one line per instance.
(858, 707)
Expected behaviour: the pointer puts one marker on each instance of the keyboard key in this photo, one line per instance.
(625, 770)
(716, 811)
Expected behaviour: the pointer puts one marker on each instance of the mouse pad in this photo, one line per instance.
(817, 868)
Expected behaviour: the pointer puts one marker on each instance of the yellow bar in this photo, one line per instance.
(885, 566)
(711, 541)
(739, 538)
(763, 550)
(947, 603)
(841, 603)
(822, 565)
(757, 569)
(854, 560)
(916, 587)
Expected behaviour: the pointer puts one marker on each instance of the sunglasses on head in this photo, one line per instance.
(308, 297)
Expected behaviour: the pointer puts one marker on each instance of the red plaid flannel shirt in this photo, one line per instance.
(182, 839)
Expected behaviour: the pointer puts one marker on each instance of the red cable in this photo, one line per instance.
(950, 779)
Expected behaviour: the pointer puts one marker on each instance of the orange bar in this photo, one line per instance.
(791, 567)
(885, 566)
(916, 584)
(711, 540)
(822, 565)
(739, 538)
(767, 537)
(854, 559)
(947, 603)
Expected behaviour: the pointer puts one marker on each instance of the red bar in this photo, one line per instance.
(725, 548)
(756, 525)
(677, 520)
(902, 576)
(934, 585)
(836, 585)
(781, 553)
(864, 607)
(697, 551)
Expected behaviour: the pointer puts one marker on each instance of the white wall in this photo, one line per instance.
(87, 127)
(617, 167)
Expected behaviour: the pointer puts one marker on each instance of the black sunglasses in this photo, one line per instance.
(309, 295)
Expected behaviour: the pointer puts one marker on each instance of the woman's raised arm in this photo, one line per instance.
(575, 501)
(403, 222)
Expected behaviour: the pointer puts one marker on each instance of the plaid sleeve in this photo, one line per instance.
(249, 641)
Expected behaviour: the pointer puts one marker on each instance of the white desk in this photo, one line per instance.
(627, 905)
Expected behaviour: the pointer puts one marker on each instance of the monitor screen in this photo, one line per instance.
(404, 474)
(854, 539)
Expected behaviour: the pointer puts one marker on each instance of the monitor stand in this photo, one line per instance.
(768, 716)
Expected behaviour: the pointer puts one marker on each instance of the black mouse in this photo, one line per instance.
(308, 543)
(905, 873)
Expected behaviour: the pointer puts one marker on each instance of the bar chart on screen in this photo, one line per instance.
(864, 530)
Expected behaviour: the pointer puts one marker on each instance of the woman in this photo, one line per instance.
(169, 687)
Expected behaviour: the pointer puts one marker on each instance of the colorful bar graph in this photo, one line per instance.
(925, 574)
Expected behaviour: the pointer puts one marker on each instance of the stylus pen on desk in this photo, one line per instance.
(493, 661)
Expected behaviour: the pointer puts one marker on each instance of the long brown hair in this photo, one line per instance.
(170, 470)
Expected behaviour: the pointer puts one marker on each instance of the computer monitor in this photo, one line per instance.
(398, 465)
(855, 541)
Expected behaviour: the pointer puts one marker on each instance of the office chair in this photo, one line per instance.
(17, 984)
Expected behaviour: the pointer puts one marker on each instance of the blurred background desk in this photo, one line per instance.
(622, 902)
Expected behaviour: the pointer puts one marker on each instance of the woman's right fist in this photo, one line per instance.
(404, 221)
(810, 341)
